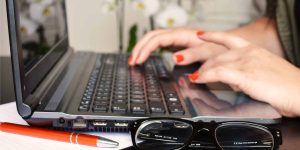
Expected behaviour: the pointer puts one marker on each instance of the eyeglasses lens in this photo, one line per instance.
(236, 137)
(163, 134)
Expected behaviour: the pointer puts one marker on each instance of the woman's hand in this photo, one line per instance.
(180, 37)
(257, 72)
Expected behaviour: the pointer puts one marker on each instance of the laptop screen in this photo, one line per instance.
(38, 39)
(42, 26)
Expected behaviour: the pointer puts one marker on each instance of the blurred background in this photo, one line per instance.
(94, 21)
(96, 25)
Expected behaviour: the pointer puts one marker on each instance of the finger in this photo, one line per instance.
(227, 73)
(166, 39)
(229, 56)
(228, 40)
(199, 53)
(136, 50)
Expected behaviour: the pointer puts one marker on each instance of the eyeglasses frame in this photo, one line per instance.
(211, 127)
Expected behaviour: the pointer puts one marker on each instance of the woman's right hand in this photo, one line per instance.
(180, 37)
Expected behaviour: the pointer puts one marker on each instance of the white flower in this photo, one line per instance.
(172, 16)
(40, 13)
(148, 7)
(27, 26)
(108, 6)
(41, 2)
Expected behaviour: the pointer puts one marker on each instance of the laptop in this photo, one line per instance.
(58, 87)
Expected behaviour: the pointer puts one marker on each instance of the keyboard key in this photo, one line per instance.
(121, 88)
(151, 99)
(120, 96)
(120, 101)
(137, 101)
(101, 102)
(85, 102)
(170, 103)
(137, 92)
(173, 99)
(120, 108)
(102, 98)
(99, 90)
(138, 109)
(83, 108)
(157, 108)
(171, 94)
(100, 108)
(154, 95)
(176, 110)
(137, 96)
(103, 94)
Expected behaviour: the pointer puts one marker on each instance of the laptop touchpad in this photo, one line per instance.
(219, 102)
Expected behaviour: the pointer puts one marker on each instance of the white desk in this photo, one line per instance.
(8, 113)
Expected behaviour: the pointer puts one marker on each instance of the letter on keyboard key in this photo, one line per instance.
(176, 110)
(100, 108)
(138, 109)
(121, 108)
(157, 109)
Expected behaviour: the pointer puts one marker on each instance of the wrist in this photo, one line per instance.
(263, 33)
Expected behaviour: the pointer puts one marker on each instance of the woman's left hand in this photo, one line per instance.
(257, 72)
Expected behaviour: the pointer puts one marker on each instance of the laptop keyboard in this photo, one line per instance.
(115, 87)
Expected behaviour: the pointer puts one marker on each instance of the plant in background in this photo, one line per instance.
(148, 7)
(109, 6)
(163, 13)
(41, 10)
(172, 16)
(132, 38)
(33, 23)
(27, 26)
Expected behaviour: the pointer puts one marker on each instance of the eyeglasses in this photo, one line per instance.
(172, 133)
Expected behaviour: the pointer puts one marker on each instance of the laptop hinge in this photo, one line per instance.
(30, 104)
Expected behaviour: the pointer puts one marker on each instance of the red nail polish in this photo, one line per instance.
(194, 76)
(130, 60)
(200, 33)
(179, 58)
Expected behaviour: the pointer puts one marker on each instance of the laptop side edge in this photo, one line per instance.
(31, 86)
(23, 109)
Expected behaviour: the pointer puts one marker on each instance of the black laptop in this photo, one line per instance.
(60, 88)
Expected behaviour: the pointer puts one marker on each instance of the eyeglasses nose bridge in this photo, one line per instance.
(203, 129)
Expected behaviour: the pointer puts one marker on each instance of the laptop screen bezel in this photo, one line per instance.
(27, 82)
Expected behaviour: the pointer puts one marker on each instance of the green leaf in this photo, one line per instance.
(132, 38)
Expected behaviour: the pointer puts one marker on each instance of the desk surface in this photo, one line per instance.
(8, 113)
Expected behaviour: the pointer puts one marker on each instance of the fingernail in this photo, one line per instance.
(130, 60)
(194, 76)
(200, 33)
(179, 58)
